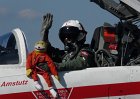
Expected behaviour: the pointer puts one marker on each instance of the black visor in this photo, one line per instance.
(70, 32)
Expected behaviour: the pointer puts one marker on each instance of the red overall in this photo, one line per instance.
(34, 58)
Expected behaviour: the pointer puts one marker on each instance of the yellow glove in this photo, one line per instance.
(28, 72)
(56, 76)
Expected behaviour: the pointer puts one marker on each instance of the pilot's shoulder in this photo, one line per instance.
(86, 51)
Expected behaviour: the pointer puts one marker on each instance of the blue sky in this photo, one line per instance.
(27, 15)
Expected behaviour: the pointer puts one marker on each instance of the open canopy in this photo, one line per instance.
(123, 9)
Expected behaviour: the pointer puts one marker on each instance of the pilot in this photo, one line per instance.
(76, 54)
(38, 62)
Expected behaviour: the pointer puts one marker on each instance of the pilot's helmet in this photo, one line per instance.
(72, 31)
(40, 46)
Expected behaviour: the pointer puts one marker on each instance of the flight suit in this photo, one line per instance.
(84, 59)
(41, 64)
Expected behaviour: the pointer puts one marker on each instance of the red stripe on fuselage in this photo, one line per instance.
(106, 90)
(23, 95)
(119, 89)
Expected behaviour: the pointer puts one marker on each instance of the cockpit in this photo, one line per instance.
(8, 49)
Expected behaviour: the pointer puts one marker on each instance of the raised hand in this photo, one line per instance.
(47, 23)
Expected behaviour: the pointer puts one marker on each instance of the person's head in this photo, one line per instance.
(72, 31)
(40, 47)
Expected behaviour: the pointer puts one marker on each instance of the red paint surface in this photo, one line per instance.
(118, 89)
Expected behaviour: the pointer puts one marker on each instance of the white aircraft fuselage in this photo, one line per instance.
(117, 82)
